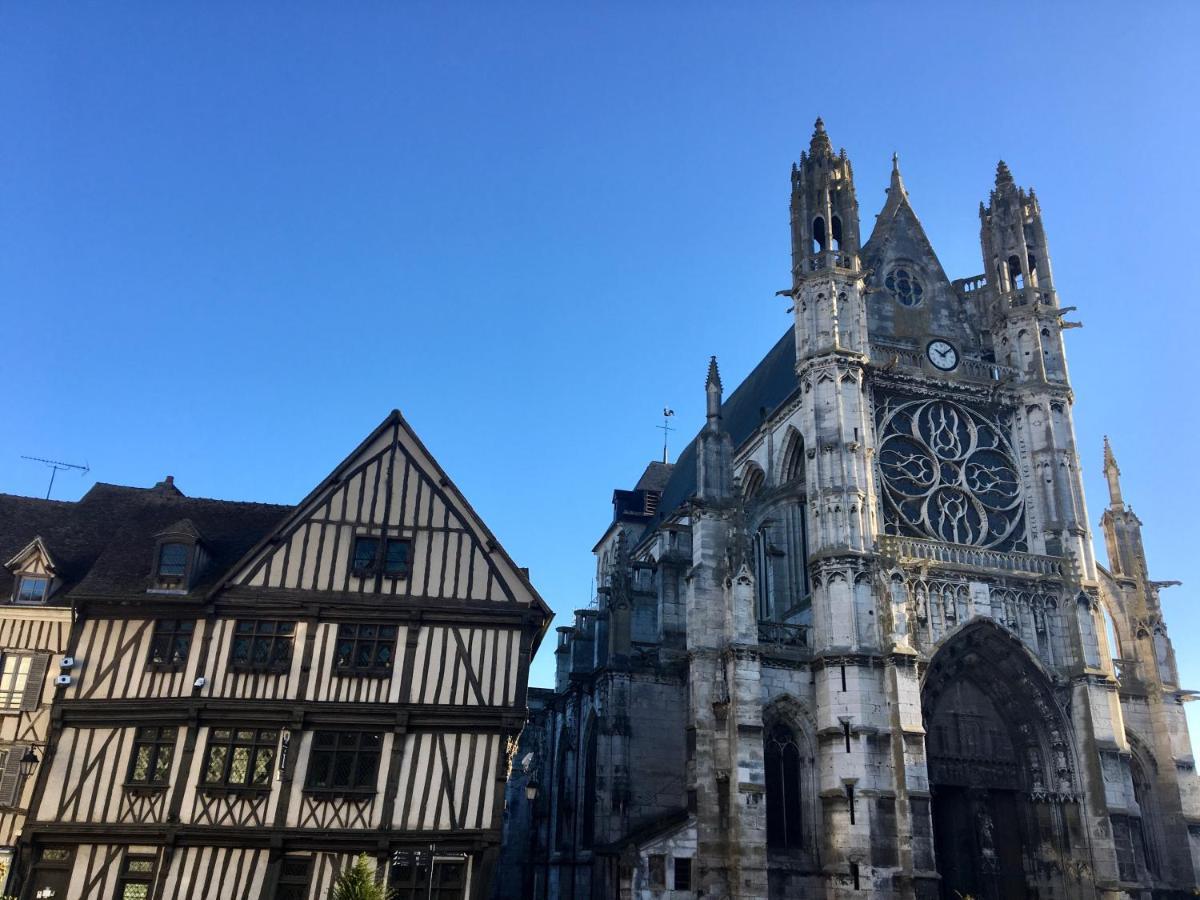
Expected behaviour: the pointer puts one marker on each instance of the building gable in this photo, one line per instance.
(391, 487)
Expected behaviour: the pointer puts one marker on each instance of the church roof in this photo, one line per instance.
(767, 386)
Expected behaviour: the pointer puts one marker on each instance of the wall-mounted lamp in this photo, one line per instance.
(29, 762)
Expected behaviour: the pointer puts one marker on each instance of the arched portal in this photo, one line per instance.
(1006, 820)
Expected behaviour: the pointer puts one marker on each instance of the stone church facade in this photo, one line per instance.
(856, 639)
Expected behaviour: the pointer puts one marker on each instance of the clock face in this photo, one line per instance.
(942, 354)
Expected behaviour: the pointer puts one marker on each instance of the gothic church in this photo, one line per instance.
(855, 641)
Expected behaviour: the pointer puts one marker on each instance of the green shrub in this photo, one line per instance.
(358, 883)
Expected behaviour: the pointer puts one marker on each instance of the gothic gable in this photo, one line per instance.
(390, 490)
(909, 295)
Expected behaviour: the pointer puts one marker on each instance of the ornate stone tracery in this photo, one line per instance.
(949, 474)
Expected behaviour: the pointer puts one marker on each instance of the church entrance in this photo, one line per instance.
(1003, 802)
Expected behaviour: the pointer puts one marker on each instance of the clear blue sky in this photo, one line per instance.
(234, 235)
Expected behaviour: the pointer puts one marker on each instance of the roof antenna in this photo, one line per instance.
(56, 467)
(666, 429)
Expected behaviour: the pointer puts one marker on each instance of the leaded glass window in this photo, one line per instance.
(170, 643)
(137, 877)
(262, 645)
(153, 748)
(240, 757)
(949, 474)
(344, 761)
(365, 649)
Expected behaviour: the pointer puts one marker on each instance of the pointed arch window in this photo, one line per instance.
(785, 802)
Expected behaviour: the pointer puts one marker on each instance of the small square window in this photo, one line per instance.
(172, 560)
(32, 589)
(396, 560)
(366, 551)
(170, 643)
(683, 873)
(365, 649)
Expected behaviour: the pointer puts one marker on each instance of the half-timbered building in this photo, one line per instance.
(34, 626)
(260, 693)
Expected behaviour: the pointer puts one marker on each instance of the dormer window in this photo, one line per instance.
(172, 560)
(32, 589)
(33, 572)
(387, 556)
(179, 555)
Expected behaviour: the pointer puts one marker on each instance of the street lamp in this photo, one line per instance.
(29, 762)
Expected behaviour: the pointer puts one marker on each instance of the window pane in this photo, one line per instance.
(239, 765)
(365, 551)
(162, 763)
(172, 559)
(138, 891)
(32, 589)
(262, 765)
(397, 557)
(141, 764)
(215, 770)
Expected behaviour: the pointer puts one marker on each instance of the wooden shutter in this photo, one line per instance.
(10, 775)
(32, 698)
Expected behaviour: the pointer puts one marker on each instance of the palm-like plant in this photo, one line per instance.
(358, 883)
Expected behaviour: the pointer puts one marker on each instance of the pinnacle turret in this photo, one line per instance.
(820, 144)
(713, 390)
(1112, 472)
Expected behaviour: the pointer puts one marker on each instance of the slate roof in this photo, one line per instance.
(770, 383)
(103, 544)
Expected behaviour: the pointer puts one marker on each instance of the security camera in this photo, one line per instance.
(200, 682)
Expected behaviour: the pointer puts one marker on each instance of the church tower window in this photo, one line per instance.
(782, 761)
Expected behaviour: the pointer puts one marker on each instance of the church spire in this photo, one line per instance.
(1112, 472)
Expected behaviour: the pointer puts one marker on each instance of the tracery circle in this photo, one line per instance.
(948, 474)
(905, 287)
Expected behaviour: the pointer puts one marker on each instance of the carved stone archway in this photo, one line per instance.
(1002, 772)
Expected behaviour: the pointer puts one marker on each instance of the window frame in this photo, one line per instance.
(289, 885)
(157, 743)
(256, 744)
(675, 870)
(345, 744)
(185, 550)
(356, 640)
(22, 577)
(259, 633)
(380, 558)
(12, 698)
(170, 637)
(130, 879)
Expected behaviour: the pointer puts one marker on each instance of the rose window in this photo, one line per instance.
(948, 474)
(904, 287)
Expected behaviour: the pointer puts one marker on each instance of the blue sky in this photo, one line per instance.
(234, 235)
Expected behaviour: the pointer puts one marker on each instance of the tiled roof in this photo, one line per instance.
(104, 543)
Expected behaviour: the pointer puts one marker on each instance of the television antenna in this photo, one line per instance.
(666, 429)
(56, 466)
